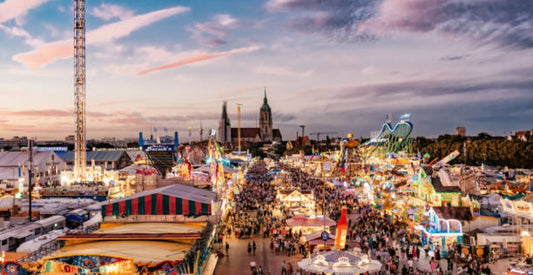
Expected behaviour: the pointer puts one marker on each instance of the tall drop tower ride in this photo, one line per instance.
(80, 158)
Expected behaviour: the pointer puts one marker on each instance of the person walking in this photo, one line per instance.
(249, 248)
(450, 263)
(227, 249)
(254, 247)
(252, 266)
(283, 268)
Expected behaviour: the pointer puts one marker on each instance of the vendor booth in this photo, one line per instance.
(440, 232)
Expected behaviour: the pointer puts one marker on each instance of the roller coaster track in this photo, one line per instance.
(389, 139)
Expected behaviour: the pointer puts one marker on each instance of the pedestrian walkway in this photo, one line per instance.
(238, 261)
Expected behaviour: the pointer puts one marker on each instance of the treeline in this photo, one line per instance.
(483, 148)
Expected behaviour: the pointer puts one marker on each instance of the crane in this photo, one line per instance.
(318, 134)
(303, 130)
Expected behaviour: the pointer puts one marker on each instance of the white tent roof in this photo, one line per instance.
(41, 161)
(9, 173)
(7, 203)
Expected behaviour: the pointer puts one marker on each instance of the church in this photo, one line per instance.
(264, 133)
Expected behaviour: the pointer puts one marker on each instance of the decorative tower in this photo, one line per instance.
(265, 121)
(79, 90)
(224, 126)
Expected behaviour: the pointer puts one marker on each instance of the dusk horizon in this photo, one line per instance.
(330, 65)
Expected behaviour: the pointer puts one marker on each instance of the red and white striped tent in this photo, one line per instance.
(175, 199)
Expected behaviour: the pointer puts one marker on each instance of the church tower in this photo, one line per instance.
(265, 121)
(224, 126)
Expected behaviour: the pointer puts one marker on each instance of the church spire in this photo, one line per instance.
(265, 120)
(224, 112)
(265, 98)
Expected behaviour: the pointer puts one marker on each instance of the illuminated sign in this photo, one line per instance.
(53, 149)
(158, 148)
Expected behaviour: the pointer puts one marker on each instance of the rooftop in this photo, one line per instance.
(179, 191)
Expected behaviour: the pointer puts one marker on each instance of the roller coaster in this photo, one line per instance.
(389, 139)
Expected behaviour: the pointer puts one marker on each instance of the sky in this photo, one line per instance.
(332, 65)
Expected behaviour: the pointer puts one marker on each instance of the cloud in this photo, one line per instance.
(454, 57)
(486, 103)
(290, 5)
(113, 31)
(337, 19)
(282, 71)
(198, 58)
(13, 9)
(412, 15)
(57, 50)
(282, 117)
(500, 23)
(370, 70)
(39, 113)
(110, 11)
(15, 31)
(45, 54)
(154, 53)
(213, 32)
(436, 88)
(126, 69)
(503, 23)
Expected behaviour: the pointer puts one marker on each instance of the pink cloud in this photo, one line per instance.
(125, 27)
(198, 58)
(45, 54)
(11, 9)
(57, 50)
(38, 113)
(409, 15)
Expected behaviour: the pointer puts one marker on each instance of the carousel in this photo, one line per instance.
(340, 262)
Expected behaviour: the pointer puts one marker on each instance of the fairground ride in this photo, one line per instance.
(390, 139)
(347, 156)
(215, 151)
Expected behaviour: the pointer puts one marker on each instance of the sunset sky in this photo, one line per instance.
(333, 65)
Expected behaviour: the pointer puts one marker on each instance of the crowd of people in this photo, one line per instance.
(257, 213)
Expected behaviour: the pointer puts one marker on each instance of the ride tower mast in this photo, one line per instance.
(80, 157)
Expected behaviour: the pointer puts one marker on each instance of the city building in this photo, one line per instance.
(460, 131)
(526, 135)
(263, 133)
(14, 143)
